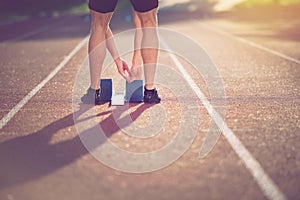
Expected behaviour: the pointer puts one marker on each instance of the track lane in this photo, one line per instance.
(27, 62)
(266, 86)
(192, 178)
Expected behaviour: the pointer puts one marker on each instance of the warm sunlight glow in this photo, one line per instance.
(166, 3)
(220, 6)
(226, 4)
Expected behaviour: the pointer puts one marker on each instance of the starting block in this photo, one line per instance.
(134, 91)
(106, 89)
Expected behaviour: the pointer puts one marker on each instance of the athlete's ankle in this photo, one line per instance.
(149, 86)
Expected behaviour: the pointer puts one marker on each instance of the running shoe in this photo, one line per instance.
(151, 96)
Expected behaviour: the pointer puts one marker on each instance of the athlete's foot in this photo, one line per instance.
(151, 96)
(92, 96)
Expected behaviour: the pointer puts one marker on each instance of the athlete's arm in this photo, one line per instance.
(111, 46)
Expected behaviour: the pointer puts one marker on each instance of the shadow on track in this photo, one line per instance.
(30, 157)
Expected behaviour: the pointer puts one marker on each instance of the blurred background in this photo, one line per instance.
(11, 10)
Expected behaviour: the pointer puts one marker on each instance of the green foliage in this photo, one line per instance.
(9, 8)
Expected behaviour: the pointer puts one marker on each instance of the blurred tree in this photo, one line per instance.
(35, 7)
(199, 6)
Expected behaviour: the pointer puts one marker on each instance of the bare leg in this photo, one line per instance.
(137, 60)
(101, 38)
(99, 27)
(149, 49)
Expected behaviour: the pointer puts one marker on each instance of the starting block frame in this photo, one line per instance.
(118, 99)
(134, 92)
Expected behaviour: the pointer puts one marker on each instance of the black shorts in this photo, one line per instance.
(106, 6)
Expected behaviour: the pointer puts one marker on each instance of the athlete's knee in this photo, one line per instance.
(99, 25)
(100, 22)
(149, 22)
(148, 19)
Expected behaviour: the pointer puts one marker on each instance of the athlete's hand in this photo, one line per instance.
(123, 69)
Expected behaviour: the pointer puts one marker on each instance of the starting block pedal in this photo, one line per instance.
(134, 91)
(106, 89)
(118, 99)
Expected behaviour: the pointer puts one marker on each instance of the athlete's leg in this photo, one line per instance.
(149, 49)
(101, 12)
(137, 60)
(147, 15)
(97, 52)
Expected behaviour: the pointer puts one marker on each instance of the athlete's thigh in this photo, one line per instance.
(103, 6)
(144, 5)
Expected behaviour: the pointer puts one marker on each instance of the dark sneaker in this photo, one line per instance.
(92, 97)
(151, 96)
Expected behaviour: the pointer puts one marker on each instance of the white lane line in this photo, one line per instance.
(250, 43)
(17, 108)
(266, 184)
